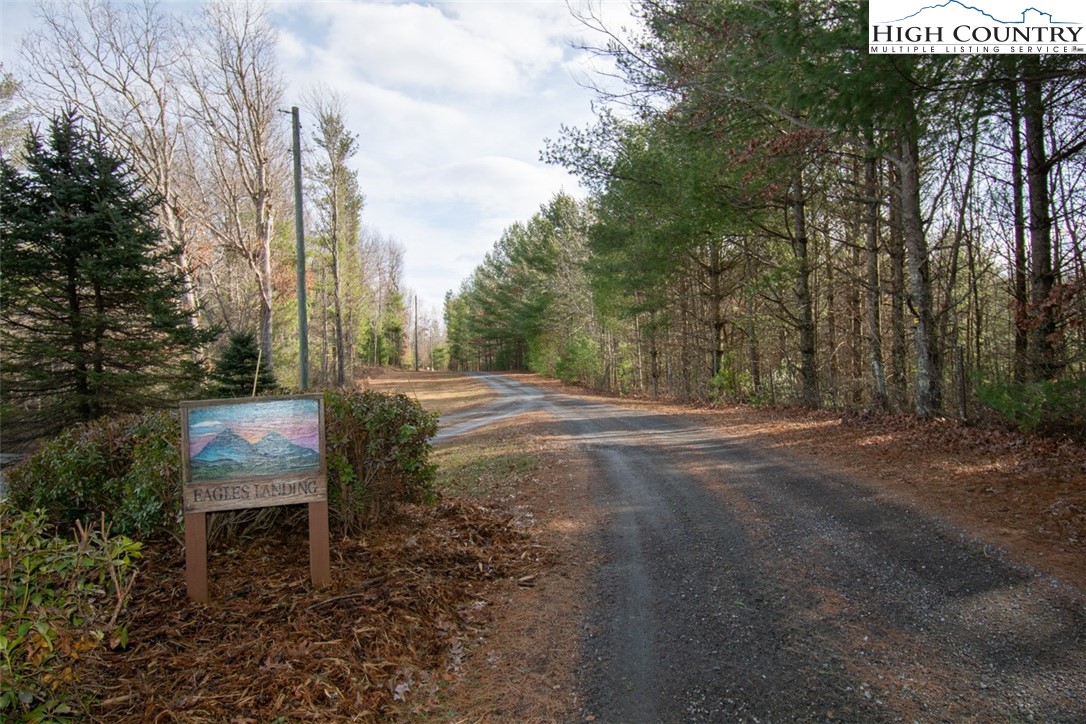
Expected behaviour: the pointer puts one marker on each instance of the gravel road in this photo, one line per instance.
(741, 585)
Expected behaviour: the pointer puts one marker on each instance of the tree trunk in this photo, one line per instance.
(805, 313)
(752, 337)
(173, 227)
(324, 328)
(337, 289)
(654, 355)
(856, 319)
(949, 323)
(928, 398)
(337, 301)
(831, 328)
(1043, 362)
(898, 377)
(1021, 268)
(688, 346)
(716, 295)
(264, 229)
(872, 316)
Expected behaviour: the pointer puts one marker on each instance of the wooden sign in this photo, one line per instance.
(253, 453)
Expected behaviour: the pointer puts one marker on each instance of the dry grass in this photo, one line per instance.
(440, 392)
(521, 667)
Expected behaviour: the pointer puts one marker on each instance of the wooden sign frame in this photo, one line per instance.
(251, 453)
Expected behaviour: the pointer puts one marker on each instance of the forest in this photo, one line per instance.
(773, 215)
(777, 216)
(193, 107)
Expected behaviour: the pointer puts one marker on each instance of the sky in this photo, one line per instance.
(451, 102)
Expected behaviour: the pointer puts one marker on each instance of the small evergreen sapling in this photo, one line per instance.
(237, 368)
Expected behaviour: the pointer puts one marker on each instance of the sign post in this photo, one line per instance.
(253, 453)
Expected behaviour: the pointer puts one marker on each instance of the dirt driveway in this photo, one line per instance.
(735, 583)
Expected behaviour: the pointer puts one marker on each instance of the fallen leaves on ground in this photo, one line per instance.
(390, 629)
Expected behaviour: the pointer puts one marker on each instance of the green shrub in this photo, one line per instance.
(730, 382)
(543, 354)
(127, 467)
(579, 362)
(61, 601)
(150, 489)
(378, 449)
(439, 357)
(1052, 406)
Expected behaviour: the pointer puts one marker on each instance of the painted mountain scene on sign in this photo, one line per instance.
(279, 437)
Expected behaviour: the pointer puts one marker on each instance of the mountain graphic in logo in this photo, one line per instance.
(228, 455)
(274, 445)
(227, 445)
(957, 12)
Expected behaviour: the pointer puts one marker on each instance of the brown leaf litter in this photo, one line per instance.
(390, 629)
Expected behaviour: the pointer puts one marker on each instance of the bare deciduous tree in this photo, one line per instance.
(237, 90)
(119, 65)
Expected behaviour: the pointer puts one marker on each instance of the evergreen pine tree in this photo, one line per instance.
(90, 302)
(236, 369)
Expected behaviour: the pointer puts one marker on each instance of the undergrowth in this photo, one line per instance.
(1049, 406)
(378, 455)
(61, 601)
(126, 467)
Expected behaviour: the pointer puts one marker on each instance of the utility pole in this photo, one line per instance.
(299, 236)
(416, 332)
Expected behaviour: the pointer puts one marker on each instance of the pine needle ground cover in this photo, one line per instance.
(405, 601)
(442, 392)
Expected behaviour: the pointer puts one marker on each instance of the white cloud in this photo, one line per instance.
(475, 181)
(454, 48)
(449, 216)
(451, 101)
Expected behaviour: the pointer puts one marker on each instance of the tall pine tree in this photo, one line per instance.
(90, 305)
(338, 202)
